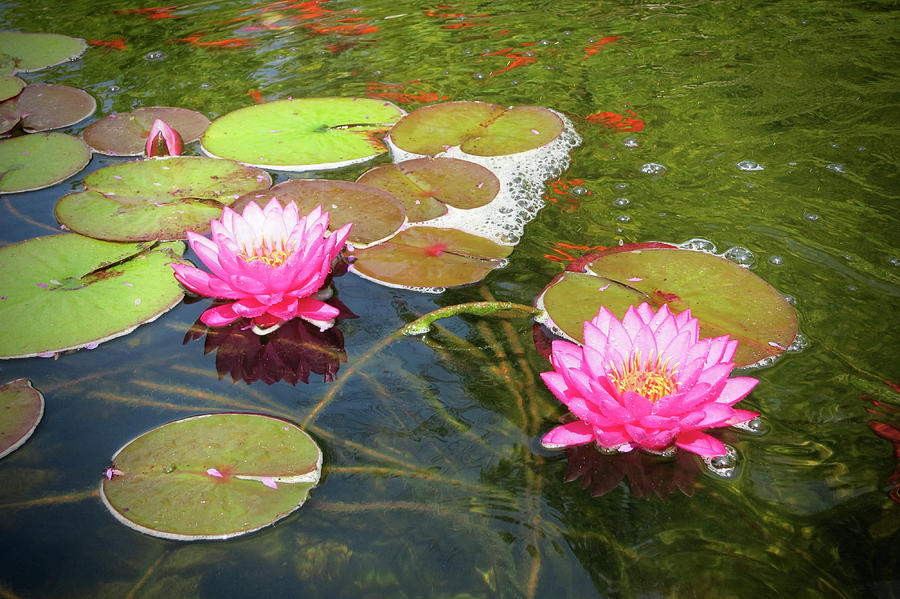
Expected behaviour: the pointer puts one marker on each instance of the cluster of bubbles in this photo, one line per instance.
(522, 176)
(723, 466)
(749, 165)
(737, 254)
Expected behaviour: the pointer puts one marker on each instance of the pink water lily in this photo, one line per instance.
(163, 140)
(646, 382)
(271, 262)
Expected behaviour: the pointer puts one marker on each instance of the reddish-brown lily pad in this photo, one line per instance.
(376, 214)
(479, 128)
(125, 133)
(21, 409)
(726, 298)
(45, 106)
(429, 258)
(428, 185)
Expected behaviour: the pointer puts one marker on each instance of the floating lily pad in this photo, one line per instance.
(35, 51)
(428, 185)
(376, 214)
(39, 160)
(304, 134)
(157, 199)
(45, 106)
(66, 291)
(726, 298)
(9, 116)
(479, 128)
(214, 476)
(10, 86)
(21, 409)
(125, 133)
(429, 258)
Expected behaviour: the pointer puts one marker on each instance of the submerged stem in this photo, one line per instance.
(423, 324)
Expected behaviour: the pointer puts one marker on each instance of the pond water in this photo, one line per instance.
(775, 125)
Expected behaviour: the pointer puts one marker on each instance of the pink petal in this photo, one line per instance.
(218, 316)
(567, 435)
(700, 443)
(268, 481)
(736, 389)
(214, 472)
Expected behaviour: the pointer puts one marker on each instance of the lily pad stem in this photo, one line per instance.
(422, 325)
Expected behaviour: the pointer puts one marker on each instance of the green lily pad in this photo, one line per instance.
(66, 291)
(35, 51)
(428, 185)
(46, 106)
(304, 134)
(157, 199)
(9, 116)
(726, 298)
(429, 258)
(376, 214)
(479, 128)
(39, 160)
(125, 133)
(10, 86)
(214, 476)
(21, 409)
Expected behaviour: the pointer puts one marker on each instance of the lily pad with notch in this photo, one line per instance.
(157, 199)
(36, 51)
(45, 106)
(39, 160)
(726, 298)
(212, 477)
(303, 134)
(21, 409)
(478, 128)
(376, 214)
(428, 185)
(423, 257)
(125, 133)
(67, 291)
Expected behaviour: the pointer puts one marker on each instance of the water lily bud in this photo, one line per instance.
(163, 140)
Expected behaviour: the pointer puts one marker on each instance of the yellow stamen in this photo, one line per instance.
(652, 379)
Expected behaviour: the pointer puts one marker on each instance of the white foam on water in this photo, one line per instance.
(522, 176)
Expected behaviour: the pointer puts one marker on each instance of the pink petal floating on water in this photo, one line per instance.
(214, 472)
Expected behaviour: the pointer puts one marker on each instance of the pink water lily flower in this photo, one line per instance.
(271, 262)
(163, 140)
(646, 382)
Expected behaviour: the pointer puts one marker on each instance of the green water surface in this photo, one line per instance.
(776, 124)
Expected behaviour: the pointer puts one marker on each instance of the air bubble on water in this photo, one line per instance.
(776, 260)
(114, 88)
(847, 257)
(835, 144)
(578, 190)
(154, 55)
(740, 255)
(810, 216)
(630, 142)
(749, 165)
(799, 344)
(790, 299)
(894, 261)
(861, 148)
(851, 287)
(838, 168)
(623, 218)
(621, 185)
(620, 202)
(755, 425)
(723, 465)
(653, 168)
(699, 244)
(205, 85)
(478, 76)
(514, 82)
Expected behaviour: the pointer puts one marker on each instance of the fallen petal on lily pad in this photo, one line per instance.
(39, 160)
(35, 51)
(212, 477)
(427, 186)
(376, 214)
(21, 409)
(429, 259)
(304, 134)
(66, 291)
(726, 298)
(46, 106)
(125, 133)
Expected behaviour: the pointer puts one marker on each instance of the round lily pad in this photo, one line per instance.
(157, 199)
(10, 86)
(21, 409)
(66, 291)
(726, 298)
(214, 476)
(479, 128)
(45, 106)
(428, 185)
(376, 214)
(35, 51)
(39, 160)
(429, 258)
(125, 133)
(304, 134)
(9, 115)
